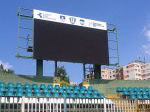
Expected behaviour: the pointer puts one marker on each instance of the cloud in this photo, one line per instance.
(6, 65)
(146, 33)
(146, 48)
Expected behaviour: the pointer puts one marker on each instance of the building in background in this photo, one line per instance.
(136, 70)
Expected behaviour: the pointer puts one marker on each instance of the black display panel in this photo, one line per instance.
(69, 43)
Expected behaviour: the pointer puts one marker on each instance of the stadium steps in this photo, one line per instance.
(8, 77)
(110, 86)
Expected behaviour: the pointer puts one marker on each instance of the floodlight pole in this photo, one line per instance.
(39, 68)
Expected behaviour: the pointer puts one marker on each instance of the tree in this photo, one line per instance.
(61, 72)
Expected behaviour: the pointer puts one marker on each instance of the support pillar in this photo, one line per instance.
(84, 74)
(97, 71)
(55, 68)
(39, 68)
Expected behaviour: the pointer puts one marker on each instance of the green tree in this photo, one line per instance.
(61, 72)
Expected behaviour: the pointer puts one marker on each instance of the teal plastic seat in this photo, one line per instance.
(64, 87)
(139, 97)
(68, 91)
(27, 86)
(37, 94)
(45, 90)
(1, 94)
(53, 90)
(132, 97)
(2, 89)
(64, 95)
(50, 87)
(42, 86)
(9, 94)
(87, 95)
(11, 89)
(56, 95)
(130, 89)
(57, 87)
(34, 86)
(10, 85)
(124, 89)
(47, 94)
(2, 85)
(95, 92)
(80, 96)
(70, 87)
(36, 90)
(72, 95)
(101, 96)
(135, 89)
(60, 90)
(19, 90)
(28, 94)
(19, 94)
(145, 96)
(18, 85)
(77, 87)
(28, 90)
(125, 93)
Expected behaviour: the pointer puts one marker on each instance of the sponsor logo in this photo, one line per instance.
(62, 18)
(82, 21)
(72, 20)
(97, 25)
(40, 15)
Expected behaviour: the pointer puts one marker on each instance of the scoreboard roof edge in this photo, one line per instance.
(71, 20)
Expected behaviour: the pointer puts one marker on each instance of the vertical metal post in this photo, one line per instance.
(84, 74)
(55, 68)
(65, 105)
(97, 71)
(105, 105)
(39, 68)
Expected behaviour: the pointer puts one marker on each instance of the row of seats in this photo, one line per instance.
(139, 97)
(133, 89)
(34, 90)
(134, 93)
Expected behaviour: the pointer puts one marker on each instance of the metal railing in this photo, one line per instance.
(24, 104)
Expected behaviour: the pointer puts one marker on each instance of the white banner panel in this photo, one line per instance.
(72, 20)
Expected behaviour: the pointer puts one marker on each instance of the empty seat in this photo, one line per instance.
(132, 97)
(2, 85)
(34, 86)
(37, 94)
(29, 94)
(19, 94)
(9, 94)
(10, 85)
(47, 94)
(50, 87)
(27, 86)
(42, 86)
(18, 85)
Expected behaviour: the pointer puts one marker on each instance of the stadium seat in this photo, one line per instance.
(2, 85)
(145, 96)
(27, 86)
(9, 94)
(56, 95)
(64, 95)
(139, 97)
(19, 94)
(57, 87)
(37, 94)
(47, 94)
(28, 94)
(42, 86)
(10, 85)
(34, 86)
(50, 87)
(18, 85)
(132, 97)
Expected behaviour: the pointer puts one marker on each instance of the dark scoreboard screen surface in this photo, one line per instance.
(70, 43)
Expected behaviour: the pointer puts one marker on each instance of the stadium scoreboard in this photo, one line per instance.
(71, 39)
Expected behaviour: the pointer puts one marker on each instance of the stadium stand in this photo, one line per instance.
(28, 90)
(110, 86)
(134, 92)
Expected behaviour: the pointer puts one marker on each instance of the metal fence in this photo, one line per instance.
(23, 104)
